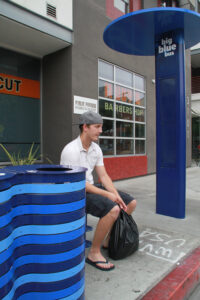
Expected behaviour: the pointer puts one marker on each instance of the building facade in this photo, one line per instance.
(54, 65)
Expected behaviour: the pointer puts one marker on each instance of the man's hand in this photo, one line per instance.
(113, 196)
(118, 200)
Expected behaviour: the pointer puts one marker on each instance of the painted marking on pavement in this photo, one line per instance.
(161, 245)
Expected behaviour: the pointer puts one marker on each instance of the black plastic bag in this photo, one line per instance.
(124, 237)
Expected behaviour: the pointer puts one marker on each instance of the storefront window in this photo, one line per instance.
(108, 128)
(107, 146)
(139, 114)
(124, 94)
(124, 77)
(124, 147)
(139, 130)
(139, 147)
(124, 129)
(106, 89)
(139, 83)
(122, 105)
(106, 108)
(124, 112)
(139, 98)
(106, 71)
(19, 103)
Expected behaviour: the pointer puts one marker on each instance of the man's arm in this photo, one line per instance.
(90, 188)
(110, 191)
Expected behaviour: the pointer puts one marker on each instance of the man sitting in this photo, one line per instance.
(102, 201)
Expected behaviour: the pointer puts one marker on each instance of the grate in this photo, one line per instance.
(51, 10)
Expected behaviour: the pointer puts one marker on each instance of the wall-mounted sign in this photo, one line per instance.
(82, 104)
(167, 47)
(19, 86)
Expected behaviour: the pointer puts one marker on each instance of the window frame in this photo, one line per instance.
(133, 105)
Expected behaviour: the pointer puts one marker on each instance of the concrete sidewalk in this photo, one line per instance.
(166, 244)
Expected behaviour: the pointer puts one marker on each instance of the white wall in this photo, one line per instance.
(63, 9)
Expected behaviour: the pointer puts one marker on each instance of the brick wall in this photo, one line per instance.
(126, 167)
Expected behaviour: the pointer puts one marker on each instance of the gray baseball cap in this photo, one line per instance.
(90, 117)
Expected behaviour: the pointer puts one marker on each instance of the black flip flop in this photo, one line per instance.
(105, 248)
(94, 264)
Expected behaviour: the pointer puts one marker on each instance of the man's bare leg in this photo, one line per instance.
(130, 209)
(103, 227)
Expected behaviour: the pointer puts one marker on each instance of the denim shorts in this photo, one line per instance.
(99, 206)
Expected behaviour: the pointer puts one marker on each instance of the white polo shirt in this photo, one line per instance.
(75, 155)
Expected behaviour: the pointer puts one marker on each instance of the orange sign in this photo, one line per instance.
(19, 86)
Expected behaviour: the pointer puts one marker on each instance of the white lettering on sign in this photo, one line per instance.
(82, 104)
(161, 245)
(167, 47)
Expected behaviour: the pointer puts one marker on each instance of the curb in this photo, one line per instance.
(180, 282)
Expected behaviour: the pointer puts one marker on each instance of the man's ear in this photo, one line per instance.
(85, 127)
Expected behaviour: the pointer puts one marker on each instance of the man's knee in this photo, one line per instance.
(114, 212)
(132, 205)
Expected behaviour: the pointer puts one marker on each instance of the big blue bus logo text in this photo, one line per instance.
(167, 47)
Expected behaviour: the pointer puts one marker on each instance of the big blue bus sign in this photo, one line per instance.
(165, 33)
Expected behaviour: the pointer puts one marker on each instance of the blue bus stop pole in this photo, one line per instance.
(170, 124)
(165, 33)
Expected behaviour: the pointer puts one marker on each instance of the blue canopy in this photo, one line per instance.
(134, 33)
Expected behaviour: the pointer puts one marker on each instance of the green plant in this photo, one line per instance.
(17, 159)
